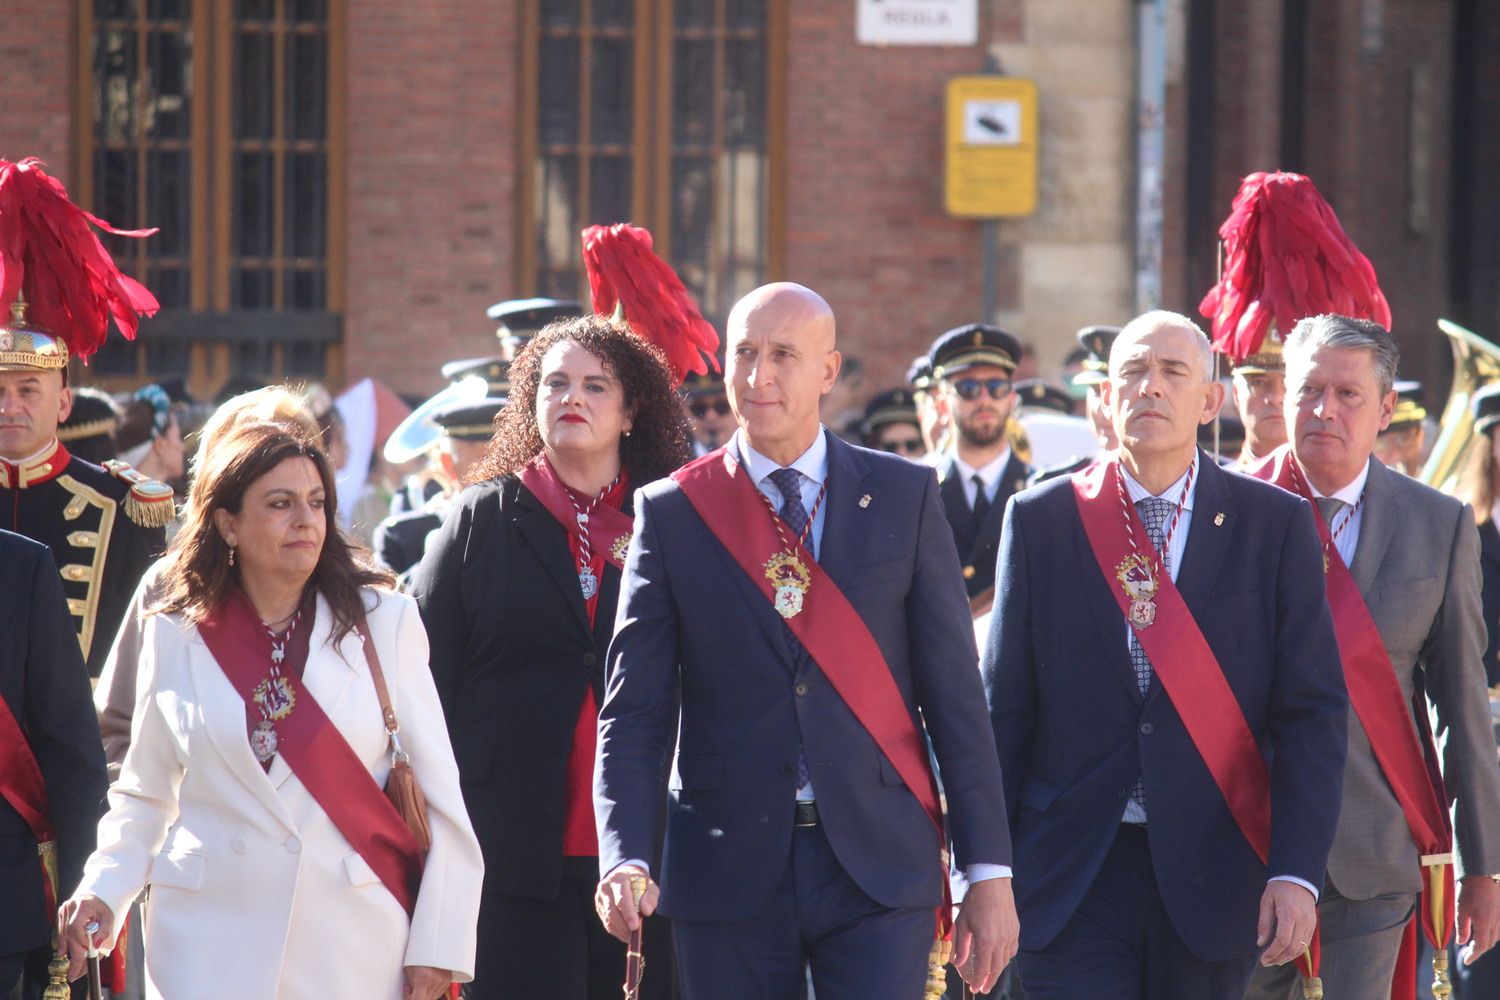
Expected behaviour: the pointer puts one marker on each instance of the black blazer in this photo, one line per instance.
(979, 544)
(512, 654)
(46, 687)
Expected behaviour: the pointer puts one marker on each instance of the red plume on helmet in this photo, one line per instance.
(50, 253)
(1285, 258)
(627, 277)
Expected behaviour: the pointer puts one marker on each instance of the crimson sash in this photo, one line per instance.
(608, 527)
(320, 758)
(22, 786)
(1181, 657)
(1406, 759)
(829, 627)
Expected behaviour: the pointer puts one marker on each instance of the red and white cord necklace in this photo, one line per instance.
(587, 581)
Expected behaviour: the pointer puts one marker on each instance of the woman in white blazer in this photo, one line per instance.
(250, 799)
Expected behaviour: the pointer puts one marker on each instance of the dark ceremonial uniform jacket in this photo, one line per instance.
(104, 527)
(512, 653)
(44, 684)
(1055, 471)
(979, 543)
(400, 539)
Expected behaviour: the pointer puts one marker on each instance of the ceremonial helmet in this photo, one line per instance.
(24, 346)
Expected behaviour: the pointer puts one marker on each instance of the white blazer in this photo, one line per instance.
(255, 895)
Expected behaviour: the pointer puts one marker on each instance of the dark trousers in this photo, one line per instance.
(556, 948)
(1121, 945)
(819, 918)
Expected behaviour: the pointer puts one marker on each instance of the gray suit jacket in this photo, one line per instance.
(1417, 565)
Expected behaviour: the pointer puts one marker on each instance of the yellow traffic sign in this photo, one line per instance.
(990, 147)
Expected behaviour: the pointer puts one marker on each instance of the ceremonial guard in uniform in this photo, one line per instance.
(1096, 342)
(1403, 445)
(1403, 578)
(793, 626)
(707, 409)
(1166, 700)
(974, 365)
(932, 408)
(454, 428)
(891, 424)
(104, 525)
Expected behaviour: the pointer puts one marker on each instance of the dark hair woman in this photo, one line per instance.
(250, 797)
(518, 592)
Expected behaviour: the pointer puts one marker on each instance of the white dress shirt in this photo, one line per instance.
(989, 474)
(1176, 547)
(1349, 517)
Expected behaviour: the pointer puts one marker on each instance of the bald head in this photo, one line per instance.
(788, 306)
(781, 360)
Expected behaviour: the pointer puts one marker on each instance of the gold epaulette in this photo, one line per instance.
(149, 503)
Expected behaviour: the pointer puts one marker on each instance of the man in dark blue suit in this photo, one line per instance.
(800, 823)
(1114, 691)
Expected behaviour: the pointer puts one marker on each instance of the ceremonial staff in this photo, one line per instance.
(635, 961)
(96, 977)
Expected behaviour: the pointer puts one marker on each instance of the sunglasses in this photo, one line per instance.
(699, 407)
(913, 446)
(970, 388)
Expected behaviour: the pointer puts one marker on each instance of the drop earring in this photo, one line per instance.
(231, 555)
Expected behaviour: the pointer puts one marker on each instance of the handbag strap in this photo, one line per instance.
(392, 727)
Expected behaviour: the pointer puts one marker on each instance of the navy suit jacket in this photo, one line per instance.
(1074, 731)
(46, 687)
(691, 623)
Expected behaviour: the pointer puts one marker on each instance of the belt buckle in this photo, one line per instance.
(805, 814)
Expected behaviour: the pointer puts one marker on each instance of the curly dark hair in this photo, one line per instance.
(199, 577)
(657, 445)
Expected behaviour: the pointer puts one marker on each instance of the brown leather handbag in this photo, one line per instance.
(401, 785)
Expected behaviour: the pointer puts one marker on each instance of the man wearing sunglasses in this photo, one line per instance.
(974, 365)
(707, 409)
(891, 425)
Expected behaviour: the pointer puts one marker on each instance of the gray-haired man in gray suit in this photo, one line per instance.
(1414, 554)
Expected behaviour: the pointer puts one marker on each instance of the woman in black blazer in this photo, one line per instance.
(518, 593)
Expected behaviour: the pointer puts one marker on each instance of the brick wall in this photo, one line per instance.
(431, 180)
(866, 225)
(36, 81)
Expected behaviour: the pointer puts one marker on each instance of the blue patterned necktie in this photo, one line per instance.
(1154, 512)
(789, 483)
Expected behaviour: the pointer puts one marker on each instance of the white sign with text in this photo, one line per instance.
(917, 22)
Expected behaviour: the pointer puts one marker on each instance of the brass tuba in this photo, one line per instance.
(1476, 363)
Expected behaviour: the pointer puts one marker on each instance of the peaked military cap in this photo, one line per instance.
(974, 344)
(1041, 394)
(1486, 407)
(494, 370)
(890, 407)
(1097, 341)
(1409, 409)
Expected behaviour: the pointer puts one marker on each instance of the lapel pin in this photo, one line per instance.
(1219, 519)
(864, 501)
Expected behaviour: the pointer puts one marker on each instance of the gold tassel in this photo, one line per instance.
(937, 969)
(1441, 988)
(57, 973)
(149, 511)
(1312, 988)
